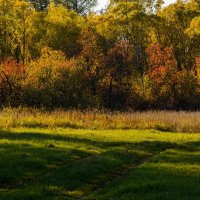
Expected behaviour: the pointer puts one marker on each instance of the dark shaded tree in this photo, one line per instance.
(80, 6)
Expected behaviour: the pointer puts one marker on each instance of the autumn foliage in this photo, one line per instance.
(131, 56)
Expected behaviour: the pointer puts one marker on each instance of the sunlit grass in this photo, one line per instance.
(60, 163)
(169, 175)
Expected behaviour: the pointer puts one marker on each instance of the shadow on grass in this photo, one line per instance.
(51, 172)
(22, 162)
(169, 175)
(40, 137)
(61, 125)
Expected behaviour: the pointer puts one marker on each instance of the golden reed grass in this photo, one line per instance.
(160, 120)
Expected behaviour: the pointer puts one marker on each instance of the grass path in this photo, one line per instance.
(155, 180)
(88, 164)
(116, 176)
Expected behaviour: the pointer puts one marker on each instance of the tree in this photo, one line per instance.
(174, 21)
(23, 17)
(170, 88)
(80, 6)
(15, 29)
(40, 4)
(118, 71)
(93, 59)
(162, 74)
(149, 6)
(62, 29)
(193, 32)
(12, 75)
(41, 77)
(7, 20)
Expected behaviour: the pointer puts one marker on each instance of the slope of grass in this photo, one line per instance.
(98, 164)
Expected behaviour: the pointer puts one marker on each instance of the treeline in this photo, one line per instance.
(134, 55)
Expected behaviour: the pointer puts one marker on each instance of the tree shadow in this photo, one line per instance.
(173, 173)
(42, 136)
(36, 172)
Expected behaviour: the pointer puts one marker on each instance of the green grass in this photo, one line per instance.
(37, 164)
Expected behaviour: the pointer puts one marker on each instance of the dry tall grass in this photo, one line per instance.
(159, 120)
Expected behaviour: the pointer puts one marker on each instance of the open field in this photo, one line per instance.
(99, 104)
(44, 163)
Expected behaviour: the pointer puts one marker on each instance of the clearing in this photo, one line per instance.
(44, 163)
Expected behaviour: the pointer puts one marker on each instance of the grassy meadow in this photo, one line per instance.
(76, 155)
(159, 120)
